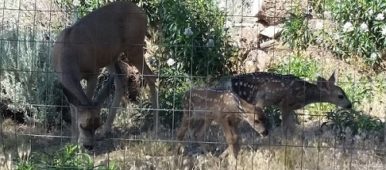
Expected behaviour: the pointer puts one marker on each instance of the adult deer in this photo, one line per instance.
(288, 92)
(94, 42)
(202, 106)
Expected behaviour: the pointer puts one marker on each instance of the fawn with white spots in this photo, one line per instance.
(288, 92)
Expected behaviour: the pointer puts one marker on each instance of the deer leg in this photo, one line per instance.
(231, 136)
(182, 131)
(288, 122)
(199, 133)
(118, 94)
(138, 60)
(74, 123)
(150, 78)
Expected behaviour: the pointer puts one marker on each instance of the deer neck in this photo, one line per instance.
(314, 94)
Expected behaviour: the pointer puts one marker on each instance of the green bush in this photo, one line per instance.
(25, 76)
(358, 123)
(69, 157)
(298, 65)
(361, 33)
(193, 44)
(296, 32)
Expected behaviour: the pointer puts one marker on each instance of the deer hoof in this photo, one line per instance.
(224, 154)
(180, 150)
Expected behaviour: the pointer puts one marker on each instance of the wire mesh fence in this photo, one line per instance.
(203, 45)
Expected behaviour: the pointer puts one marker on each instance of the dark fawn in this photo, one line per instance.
(288, 92)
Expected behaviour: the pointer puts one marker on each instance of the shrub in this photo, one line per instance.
(69, 157)
(357, 123)
(24, 77)
(361, 33)
(194, 45)
(296, 32)
(298, 65)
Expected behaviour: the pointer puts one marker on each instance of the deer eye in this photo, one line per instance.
(340, 96)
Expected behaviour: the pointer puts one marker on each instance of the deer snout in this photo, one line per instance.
(88, 147)
(264, 133)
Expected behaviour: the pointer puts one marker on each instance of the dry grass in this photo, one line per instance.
(314, 151)
(309, 148)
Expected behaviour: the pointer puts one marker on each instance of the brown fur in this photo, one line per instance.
(94, 42)
(202, 106)
(288, 92)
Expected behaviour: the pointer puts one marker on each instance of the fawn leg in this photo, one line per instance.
(231, 136)
(186, 121)
(288, 122)
(199, 134)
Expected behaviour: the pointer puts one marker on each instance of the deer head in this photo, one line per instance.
(87, 116)
(88, 121)
(258, 122)
(255, 117)
(332, 93)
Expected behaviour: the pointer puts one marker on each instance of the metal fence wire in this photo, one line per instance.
(214, 47)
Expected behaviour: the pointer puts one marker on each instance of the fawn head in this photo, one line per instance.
(333, 93)
(258, 122)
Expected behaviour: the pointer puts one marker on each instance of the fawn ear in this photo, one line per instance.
(331, 80)
(322, 83)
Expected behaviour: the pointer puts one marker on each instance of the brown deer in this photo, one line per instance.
(94, 42)
(288, 92)
(202, 106)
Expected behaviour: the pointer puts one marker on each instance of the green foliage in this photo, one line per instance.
(344, 121)
(299, 66)
(172, 87)
(362, 32)
(296, 32)
(364, 88)
(82, 7)
(69, 157)
(25, 77)
(319, 6)
(193, 36)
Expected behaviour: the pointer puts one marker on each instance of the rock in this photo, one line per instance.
(256, 7)
(271, 31)
(247, 37)
(257, 60)
(274, 12)
(267, 44)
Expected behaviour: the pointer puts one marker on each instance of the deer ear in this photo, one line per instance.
(71, 98)
(331, 80)
(322, 83)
